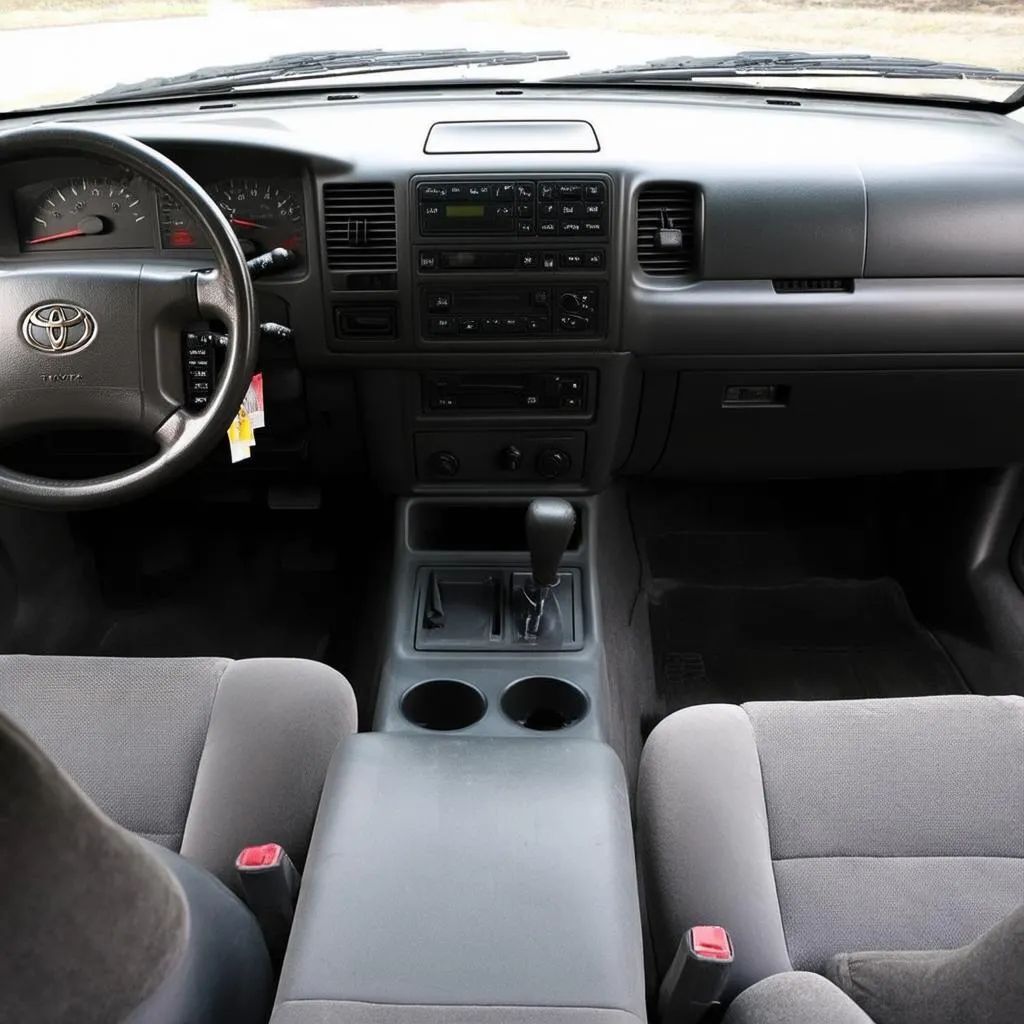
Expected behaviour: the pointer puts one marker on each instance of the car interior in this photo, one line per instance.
(619, 615)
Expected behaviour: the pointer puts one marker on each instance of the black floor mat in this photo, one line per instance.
(235, 580)
(810, 640)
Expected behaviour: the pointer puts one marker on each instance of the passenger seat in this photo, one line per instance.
(812, 829)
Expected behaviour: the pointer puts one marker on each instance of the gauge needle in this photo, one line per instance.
(86, 226)
(239, 223)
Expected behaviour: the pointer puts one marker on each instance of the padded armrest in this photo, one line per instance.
(449, 878)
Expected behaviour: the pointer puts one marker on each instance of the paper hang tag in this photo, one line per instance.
(250, 417)
(253, 402)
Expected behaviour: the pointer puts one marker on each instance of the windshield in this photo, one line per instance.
(63, 51)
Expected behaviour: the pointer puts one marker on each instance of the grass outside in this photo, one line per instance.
(987, 32)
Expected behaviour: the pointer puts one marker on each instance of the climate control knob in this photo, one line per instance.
(553, 462)
(570, 302)
(510, 459)
(444, 464)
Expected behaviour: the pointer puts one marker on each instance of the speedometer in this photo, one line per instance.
(265, 214)
(87, 213)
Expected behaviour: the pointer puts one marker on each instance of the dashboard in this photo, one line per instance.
(503, 289)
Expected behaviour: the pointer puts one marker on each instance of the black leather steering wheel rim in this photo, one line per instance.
(224, 294)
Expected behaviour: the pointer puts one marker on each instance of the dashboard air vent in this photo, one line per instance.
(666, 231)
(789, 285)
(359, 227)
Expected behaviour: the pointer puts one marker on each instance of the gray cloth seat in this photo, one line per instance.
(810, 829)
(200, 755)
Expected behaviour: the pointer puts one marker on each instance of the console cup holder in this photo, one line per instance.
(544, 703)
(444, 705)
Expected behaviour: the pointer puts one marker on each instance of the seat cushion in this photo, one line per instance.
(201, 755)
(813, 828)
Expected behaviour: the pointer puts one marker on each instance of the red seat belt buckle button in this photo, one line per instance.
(710, 942)
(266, 856)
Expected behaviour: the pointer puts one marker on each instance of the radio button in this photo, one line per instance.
(480, 191)
(593, 209)
(457, 191)
(493, 325)
(439, 302)
(547, 227)
(433, 192)
(442, 325)
(549, 261)
(506, 193)
(468, 325)
(571, 260)
(570, 227)
(594, 190)
(541, 297)
(428, 261)
(536, 325)
(548, 210)
(524, 210)
(503, 212)
(524, 190)
(595, 258)
(526, 227)
(593, 227)
(528, 261)
(514, 324)
(546, 191)
(569, 190)
(571, 210)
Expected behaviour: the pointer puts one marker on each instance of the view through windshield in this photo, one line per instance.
(58, 52)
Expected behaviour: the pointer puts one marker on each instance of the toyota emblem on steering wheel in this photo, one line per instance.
(58, 328)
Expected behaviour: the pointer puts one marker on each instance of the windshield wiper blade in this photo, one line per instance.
(788, 64)
(327, 64)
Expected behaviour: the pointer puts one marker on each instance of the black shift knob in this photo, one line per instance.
(549, 525)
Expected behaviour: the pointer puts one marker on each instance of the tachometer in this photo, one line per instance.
(88, 213)
(263, 213)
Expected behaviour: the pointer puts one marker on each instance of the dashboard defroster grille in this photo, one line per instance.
(666, 234)
(360, 227)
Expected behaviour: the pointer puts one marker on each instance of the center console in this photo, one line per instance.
(468, 881)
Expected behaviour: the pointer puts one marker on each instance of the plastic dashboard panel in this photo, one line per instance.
(921, 208)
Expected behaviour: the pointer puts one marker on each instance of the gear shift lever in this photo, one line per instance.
(549, 526)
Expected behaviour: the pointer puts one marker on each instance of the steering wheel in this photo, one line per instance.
(89, 343)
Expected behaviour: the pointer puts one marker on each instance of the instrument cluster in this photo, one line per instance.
(118, 211)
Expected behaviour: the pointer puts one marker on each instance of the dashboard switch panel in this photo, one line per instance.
(508, 456)
(534, 311)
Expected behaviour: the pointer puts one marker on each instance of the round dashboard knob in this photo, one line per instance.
(510, 459)
(444, 464)
(570, 302)
(552, 462)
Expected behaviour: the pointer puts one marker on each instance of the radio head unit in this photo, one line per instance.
(571, 209)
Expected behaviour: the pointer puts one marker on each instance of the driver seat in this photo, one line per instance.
(203, 756)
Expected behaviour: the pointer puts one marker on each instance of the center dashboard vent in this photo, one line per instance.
(360, 228)
(666, 230)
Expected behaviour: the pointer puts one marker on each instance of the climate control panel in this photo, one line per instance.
(531, 311)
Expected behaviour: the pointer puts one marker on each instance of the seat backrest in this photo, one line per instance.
(102, 926)
(813, 828)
